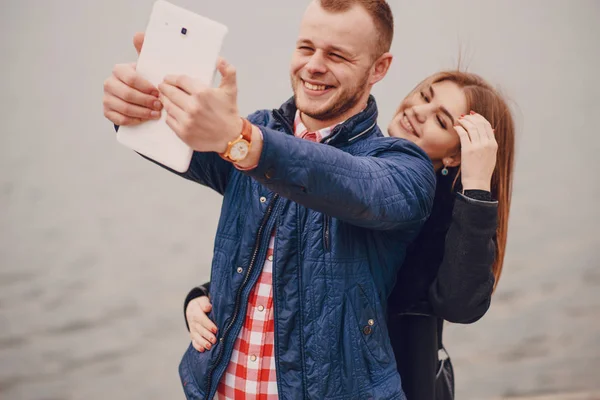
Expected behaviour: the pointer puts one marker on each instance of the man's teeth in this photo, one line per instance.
(407, 123)
(314, 87)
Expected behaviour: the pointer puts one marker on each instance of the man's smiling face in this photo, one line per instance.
(332, 64)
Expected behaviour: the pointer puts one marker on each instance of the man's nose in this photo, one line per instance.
(316, 64)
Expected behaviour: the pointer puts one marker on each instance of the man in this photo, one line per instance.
(311, 234)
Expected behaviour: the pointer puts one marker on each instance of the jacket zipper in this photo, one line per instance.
(326, 231)
(279, 117)
(238, 298)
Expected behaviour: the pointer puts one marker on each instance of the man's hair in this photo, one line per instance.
(380, 12)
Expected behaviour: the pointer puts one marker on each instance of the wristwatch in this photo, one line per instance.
(239, 148)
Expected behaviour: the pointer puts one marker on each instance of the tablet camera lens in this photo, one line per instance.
(183, 31)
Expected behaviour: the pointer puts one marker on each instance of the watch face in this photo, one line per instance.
(238, 151)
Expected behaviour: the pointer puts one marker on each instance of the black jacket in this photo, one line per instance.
(447, 275)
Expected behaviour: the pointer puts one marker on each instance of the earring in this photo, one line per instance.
(445, 171)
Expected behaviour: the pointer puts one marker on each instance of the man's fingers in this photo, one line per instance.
(116, 88)
(138, 41)
(174, 125)
(120, 119)
(128, 109)
(228, 76)
(175, 95)
(121, 90)
(173, 110)
(185, 83)
(126, 74)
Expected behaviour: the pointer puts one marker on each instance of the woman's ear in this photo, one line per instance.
(452, 161)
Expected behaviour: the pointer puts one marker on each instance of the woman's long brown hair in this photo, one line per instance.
(487, 101)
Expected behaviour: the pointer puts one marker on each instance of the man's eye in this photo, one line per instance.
(339, 57)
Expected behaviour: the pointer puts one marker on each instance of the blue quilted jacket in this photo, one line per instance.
(343, 212)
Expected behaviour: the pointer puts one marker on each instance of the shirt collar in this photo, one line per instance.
(300, 129)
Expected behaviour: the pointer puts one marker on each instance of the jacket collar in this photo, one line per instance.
(360, 125)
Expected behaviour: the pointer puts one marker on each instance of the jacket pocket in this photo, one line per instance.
(369, 326)
(192, 365)
(223, 272)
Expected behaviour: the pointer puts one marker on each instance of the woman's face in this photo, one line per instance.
(426, 117)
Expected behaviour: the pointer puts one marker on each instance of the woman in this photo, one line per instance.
(454, 265)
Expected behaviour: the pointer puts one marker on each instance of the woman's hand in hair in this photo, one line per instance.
(202, 329)
(478, 151)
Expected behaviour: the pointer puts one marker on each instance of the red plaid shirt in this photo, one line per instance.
(251, 374)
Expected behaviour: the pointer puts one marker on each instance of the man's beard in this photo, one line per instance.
(347, 99)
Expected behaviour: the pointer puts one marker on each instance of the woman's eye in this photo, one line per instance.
(424, 97)
(441, 122)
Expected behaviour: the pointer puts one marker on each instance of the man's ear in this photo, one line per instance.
(381, 67)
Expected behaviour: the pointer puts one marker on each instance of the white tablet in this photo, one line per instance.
(177, 42)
